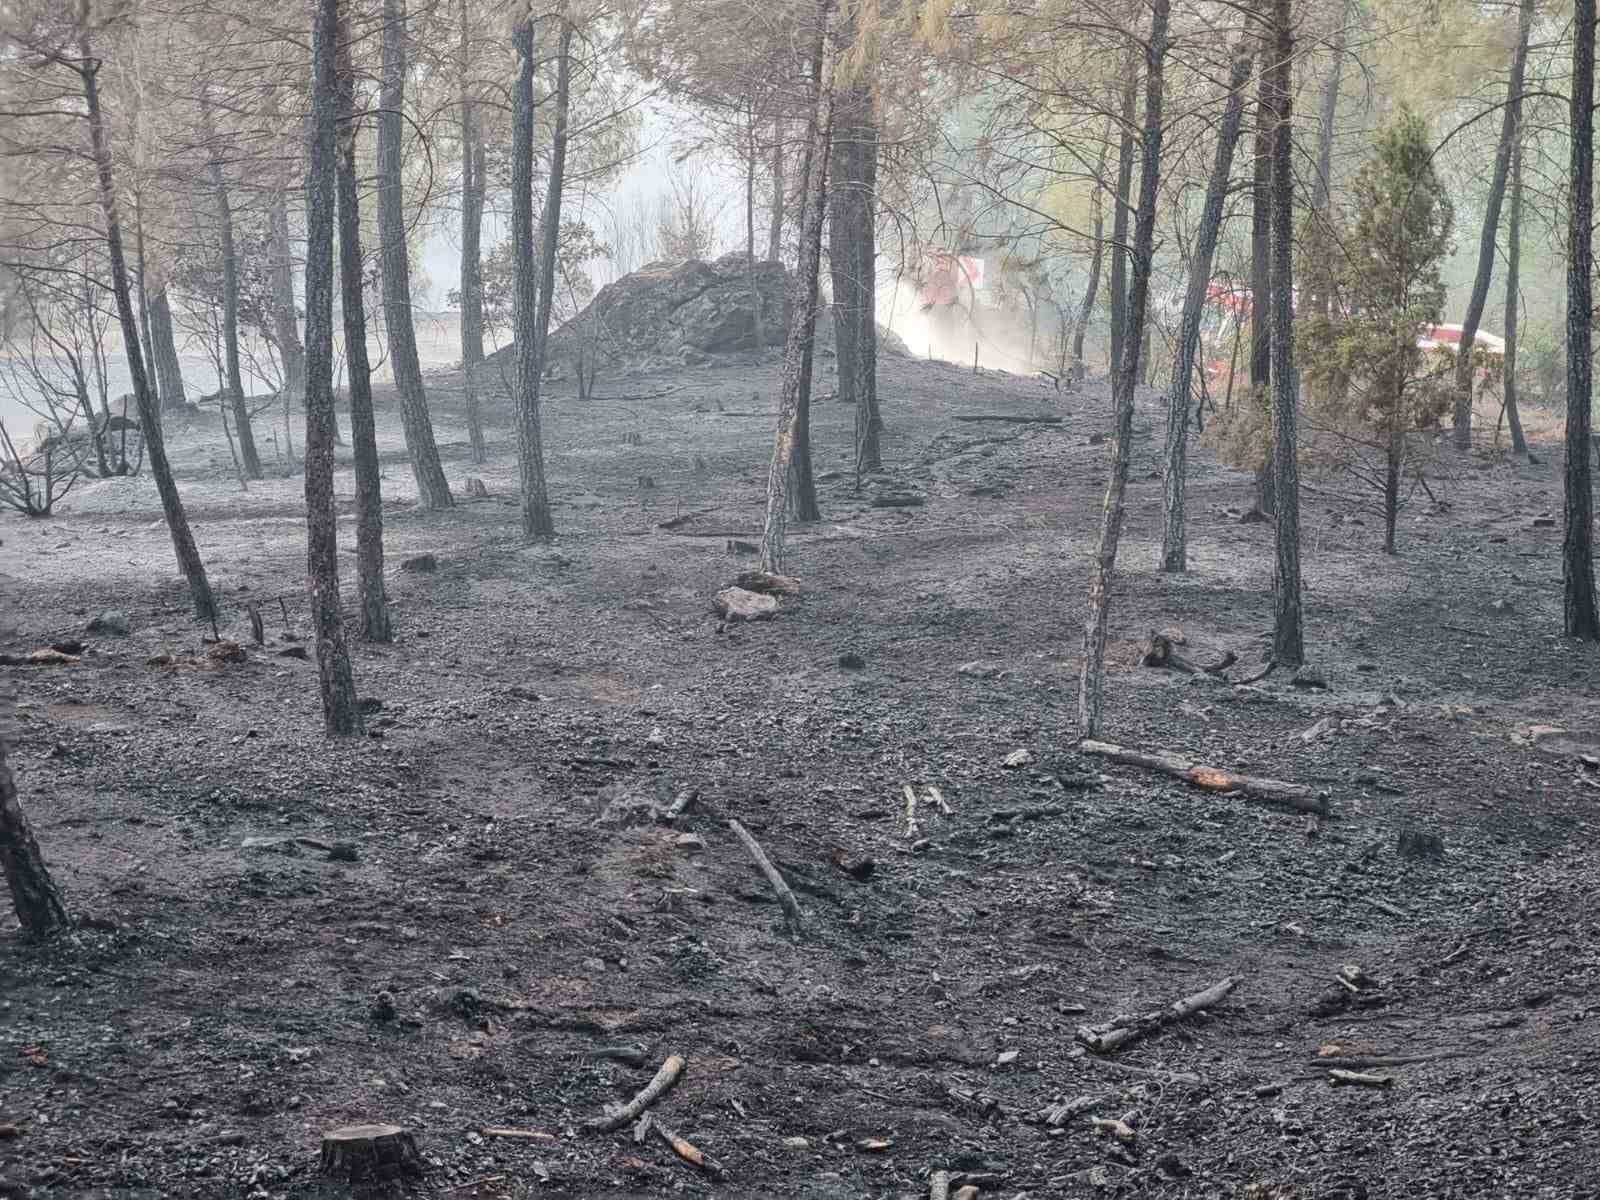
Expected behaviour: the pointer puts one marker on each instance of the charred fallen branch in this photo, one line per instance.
(1119, 1031)
(1213, 779)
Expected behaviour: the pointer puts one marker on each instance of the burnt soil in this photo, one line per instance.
(516, 895)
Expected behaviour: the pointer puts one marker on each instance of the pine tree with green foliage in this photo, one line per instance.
(1374, 275)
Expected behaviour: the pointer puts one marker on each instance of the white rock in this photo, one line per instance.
(737, 604)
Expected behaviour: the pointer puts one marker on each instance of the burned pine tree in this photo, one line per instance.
(33, 893)
(474, 172)
(1174, 546)
(534, 273)
(1091, 683)
(1513, 414)
(803, 310)
(340, 711)
(1580, 618)
(1261, 276)
(852, 246)
(375, 624)
(250, 460)
(1465, 360)
(1119, 215)
(1288, 639)
(1091, 290)
(433, 491)
(87, 66)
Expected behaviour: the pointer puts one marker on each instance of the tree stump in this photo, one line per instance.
(365, 1152)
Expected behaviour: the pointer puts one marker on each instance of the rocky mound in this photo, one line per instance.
(680, 314)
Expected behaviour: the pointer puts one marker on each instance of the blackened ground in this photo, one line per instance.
(514, 895)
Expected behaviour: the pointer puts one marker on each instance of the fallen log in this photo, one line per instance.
(652, 1091)
(1258, 676)
(519, 1135)
(1008, 419)
(1362, 1062)
(939, 1186)
(791, 906)
(677, 387)
(1058, 1113)
(679, 805)
(1358, 1079)
(1181, 1078)
(1213, 779)
(48, 657)
(684, 518)
(1119, 1031)
(1160, 652)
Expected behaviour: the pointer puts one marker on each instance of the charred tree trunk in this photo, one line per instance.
(341, 714)
(802, 494)
(149, 413)
(535, 271)
(1461, 417)
(145, 338)
(758, 333)
(1321, 191)
(869, 418)
(473, 185)
(536, 520)
(852, 256)
(803, 306)
(1119, 218)
(1394, 460)
(1261, 282)
(1092, 290)
(1092, 681)
(33, 893)
(375, 625)
(1580, 619)
(285, 319)
(779, 196)
(1288, 639)
(167, 365)
(1174, 547)
(432, 489)
(803, 504)
(234, 382)
(1519, 444)
(550, 230)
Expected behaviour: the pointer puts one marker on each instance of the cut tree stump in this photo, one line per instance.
(1213, 779)
(363, 1152)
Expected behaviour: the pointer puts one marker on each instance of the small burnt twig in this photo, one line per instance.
(652, 1092)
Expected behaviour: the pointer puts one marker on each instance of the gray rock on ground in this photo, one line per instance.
(683, 314)
(112, 622)
(737, 604)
